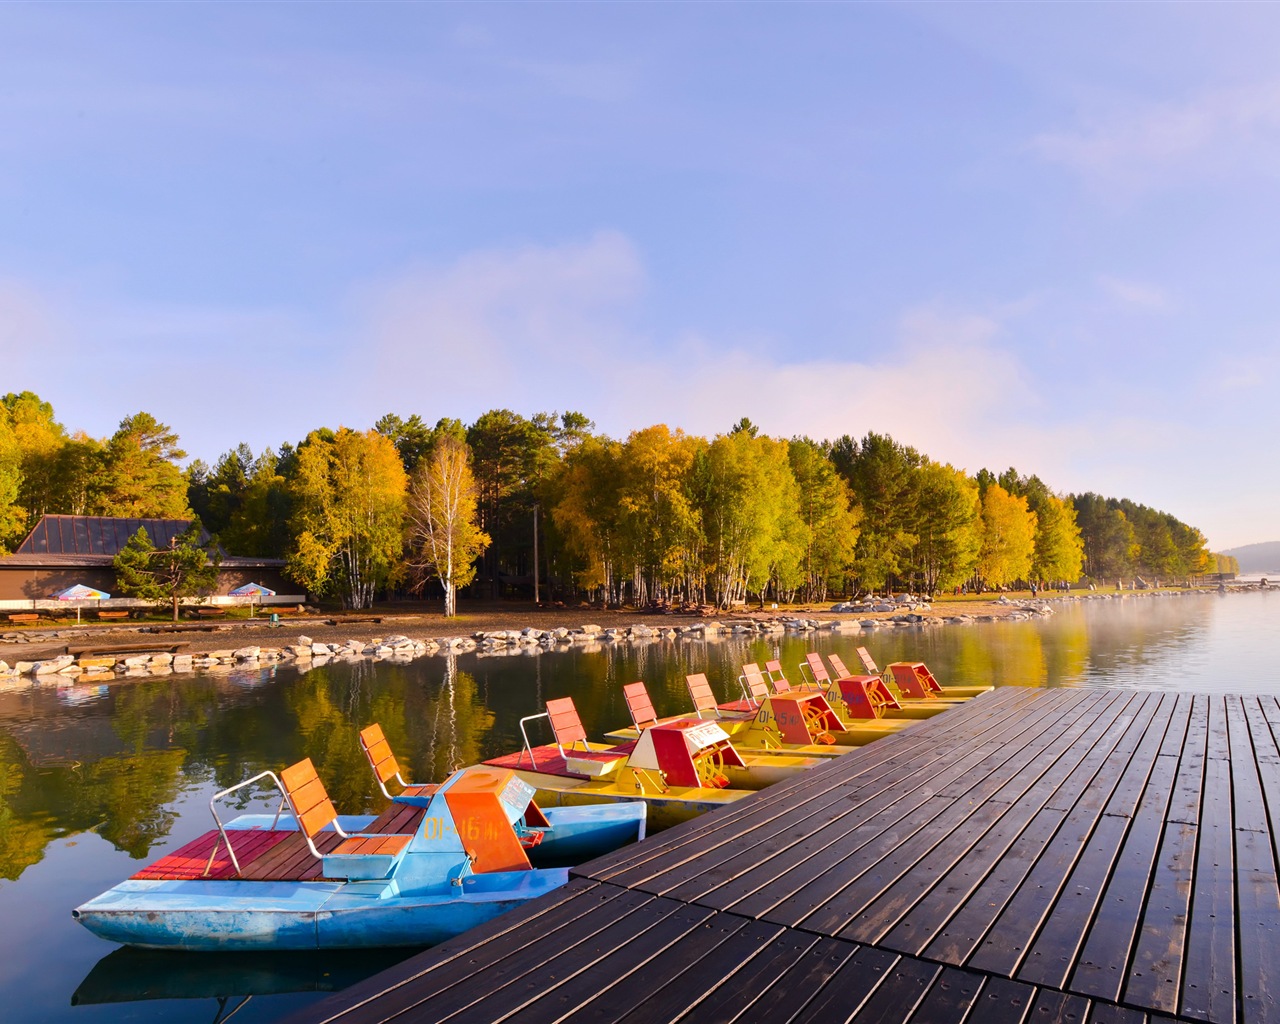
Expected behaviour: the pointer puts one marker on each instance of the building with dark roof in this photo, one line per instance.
(62, 551)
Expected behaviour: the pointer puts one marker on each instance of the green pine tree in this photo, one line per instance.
(167, 575)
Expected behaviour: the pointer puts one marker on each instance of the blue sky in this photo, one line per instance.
(1032, 235)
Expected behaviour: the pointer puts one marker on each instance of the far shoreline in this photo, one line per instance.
(425, 623)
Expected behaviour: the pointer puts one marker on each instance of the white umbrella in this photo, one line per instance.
(81, 592)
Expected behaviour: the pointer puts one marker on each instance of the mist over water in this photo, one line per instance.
(95, 781)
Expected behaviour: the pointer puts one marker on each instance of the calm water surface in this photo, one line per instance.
(97, 781)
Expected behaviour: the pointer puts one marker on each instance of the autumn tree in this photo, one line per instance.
(39, 439)
(1059, 550)
(948, 526)
(584, 501)
(750, 503)
(831, 518)
(657, 519)
(187, 567)
(442, 518)
(12, 514)
(1008, 537)
(348, 494)
(140, 478)
(49, 472)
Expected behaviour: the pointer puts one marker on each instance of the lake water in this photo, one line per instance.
(97, 781)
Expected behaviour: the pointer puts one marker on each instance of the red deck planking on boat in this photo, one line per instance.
(193, 860)
(547, 759)
(266, 855)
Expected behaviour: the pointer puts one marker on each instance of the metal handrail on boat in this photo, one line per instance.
(527, 745)
(222, 831)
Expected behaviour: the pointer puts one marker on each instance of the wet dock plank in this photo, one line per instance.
(1085, 856)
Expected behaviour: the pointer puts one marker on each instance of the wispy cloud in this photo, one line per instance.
(1136, 294)
(1137, 144)
(525, 318)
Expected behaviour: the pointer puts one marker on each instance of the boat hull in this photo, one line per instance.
(211, 916)
(663, 809)
(428, 897)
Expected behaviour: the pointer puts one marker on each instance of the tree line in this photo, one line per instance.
(547, 505)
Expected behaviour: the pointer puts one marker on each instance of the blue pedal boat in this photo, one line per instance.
(429, 868)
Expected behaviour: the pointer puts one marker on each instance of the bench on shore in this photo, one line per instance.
(24, 617)
(111, 615)
(210, 613)
(347, 620)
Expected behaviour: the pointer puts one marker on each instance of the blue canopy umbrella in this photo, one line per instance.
(252, 590)
(81, 592)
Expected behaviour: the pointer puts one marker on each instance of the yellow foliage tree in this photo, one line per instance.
(349, 495)
(1008, 537)
(443, 519)
(1059, 551)
(658, 522)
(584, 507)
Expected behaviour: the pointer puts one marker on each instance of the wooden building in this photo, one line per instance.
(62, 551)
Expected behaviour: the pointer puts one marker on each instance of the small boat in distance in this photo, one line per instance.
(476, 847)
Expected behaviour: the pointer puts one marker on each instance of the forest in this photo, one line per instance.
(547, 506)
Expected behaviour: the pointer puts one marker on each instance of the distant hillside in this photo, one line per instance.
(1257, 557)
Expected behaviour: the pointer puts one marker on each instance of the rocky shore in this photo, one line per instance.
(238, 645)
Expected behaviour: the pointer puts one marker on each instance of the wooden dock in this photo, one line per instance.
(1082, 856)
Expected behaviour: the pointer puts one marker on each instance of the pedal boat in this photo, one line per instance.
(307, 878)
(678, 769)
(791, 722)
(887, 701)
(913, 679)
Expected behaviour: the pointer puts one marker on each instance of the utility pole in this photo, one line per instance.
(536, 599)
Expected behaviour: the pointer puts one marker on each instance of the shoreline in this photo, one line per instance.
(311, 640)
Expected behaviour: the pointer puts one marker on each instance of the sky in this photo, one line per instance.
(1032, 235)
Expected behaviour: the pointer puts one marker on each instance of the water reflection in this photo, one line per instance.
(131, 975)
(96, 778)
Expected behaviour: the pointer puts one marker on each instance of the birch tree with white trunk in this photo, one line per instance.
(446, 538)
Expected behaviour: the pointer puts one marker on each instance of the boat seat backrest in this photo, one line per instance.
(819, 670)
(565, 722)
(640, 706)
(378, 751)
(357, 856)
(837, 663)
(868, 662)
(757, 688)
(777, 677)
(701, 695)
(307, 796)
